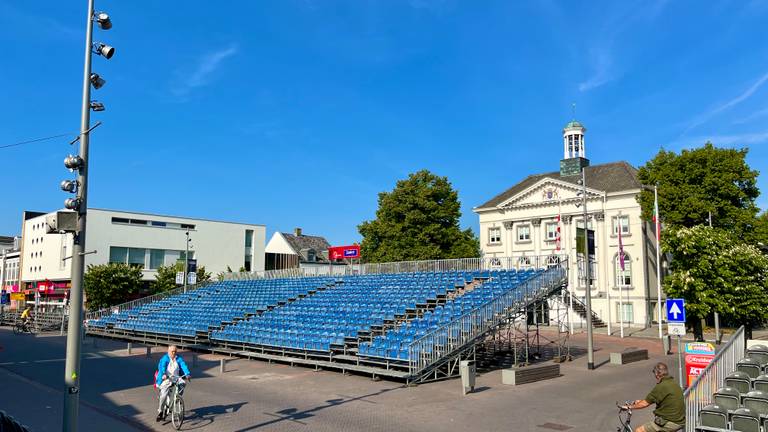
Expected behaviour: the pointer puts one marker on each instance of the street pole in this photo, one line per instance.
(186, 261)
(75, 329)
(587, 270)
(680, 361)
(717, 315)
(658, 256)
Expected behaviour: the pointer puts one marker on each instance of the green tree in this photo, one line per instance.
(111, 284)
(418, 220)
(714, 273)
(165, 279)
(696, 182)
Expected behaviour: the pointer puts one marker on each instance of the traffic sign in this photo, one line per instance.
(180, 278)
(676, 329)
(191, 278)
(675, 310)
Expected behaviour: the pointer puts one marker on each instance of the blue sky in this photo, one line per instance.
(297, 113)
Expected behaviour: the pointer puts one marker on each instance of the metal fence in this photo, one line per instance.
(435, 345)
(460, 264)
(96, 314)
(699, 394)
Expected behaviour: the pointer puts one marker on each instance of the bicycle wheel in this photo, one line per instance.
(177, 413)
(17, 328)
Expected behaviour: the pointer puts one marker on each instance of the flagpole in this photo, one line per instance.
(619, 280)
(658, 255)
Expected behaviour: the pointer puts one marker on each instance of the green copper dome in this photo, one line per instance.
(574, 124)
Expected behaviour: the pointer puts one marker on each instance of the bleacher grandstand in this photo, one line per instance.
(405, 324)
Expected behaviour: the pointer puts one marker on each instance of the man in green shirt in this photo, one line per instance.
(668, 397)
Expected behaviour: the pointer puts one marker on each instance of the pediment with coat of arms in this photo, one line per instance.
(547, 192)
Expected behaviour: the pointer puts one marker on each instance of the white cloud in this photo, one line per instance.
(728, 104)
(739, 140)
(601, 66)
(206, 66)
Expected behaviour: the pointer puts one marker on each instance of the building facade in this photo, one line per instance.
(147, 241)
(297, 250)
(539, 216)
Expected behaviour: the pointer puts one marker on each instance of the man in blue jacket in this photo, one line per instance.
(170, 366)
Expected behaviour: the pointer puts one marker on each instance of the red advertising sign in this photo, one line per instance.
(698, 356)
(343, 252)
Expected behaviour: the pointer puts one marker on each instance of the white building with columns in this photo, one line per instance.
(523, 221)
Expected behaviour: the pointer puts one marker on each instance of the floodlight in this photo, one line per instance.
(69, 186)
(97, 81)
(103, 50)
(97, 106)
(73, 162)
(72, 203)
(103, 20)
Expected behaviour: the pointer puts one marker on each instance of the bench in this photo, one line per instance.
(529, 374)
(629, 355)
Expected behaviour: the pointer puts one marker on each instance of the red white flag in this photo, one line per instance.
(621, 245)
(557, 239)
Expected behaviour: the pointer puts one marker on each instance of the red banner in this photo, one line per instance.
(343, 252)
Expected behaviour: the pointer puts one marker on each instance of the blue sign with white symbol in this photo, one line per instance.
(676, 310)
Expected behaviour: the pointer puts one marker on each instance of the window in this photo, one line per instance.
(158, 224)
(524, 261)
(524, 233)
(118, 254)
(628, 315)
(580, 224)
(248, 238)
(156, 258)
(137, 257)
(551, 228)
(119, 220)
(187, 226)
(553, 260)
(623, 277)
(138, 222)
(624, 221)
(494, 235)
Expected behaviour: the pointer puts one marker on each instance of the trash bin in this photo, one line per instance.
(467, 370)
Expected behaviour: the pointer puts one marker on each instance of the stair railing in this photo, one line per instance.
(440, 342)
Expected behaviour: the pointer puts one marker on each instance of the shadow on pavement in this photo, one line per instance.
(295, 415)
(203, 416)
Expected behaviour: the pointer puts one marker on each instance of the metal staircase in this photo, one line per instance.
(437, 354)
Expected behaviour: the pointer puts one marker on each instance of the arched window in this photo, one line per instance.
(623, 277)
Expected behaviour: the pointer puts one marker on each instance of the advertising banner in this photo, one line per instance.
(344, 252)
(697, 356)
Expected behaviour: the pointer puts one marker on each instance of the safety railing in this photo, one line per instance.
(460, 264)
(700, 393)
(96, 314)
(437, 344)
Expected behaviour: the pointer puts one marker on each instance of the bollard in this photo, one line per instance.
(149, 352)
(129, 348)
(222, 365)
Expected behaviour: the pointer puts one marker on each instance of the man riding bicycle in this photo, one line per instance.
(169, 366)
(25, 317)
(669, 415)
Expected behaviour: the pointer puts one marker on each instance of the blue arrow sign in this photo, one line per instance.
(676, 310)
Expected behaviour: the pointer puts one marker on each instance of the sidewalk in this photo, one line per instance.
(39, 407)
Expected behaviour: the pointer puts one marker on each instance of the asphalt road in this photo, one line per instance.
(117, 393)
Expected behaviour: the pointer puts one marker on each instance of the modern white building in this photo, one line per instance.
(540, 214)
(144, 240)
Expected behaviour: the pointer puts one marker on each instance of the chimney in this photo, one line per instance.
(297, 232)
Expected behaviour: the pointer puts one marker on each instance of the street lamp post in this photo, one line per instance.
(587, 273)
(186, 261)
(80, 205)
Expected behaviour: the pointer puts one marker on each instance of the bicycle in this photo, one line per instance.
(20, 327)
(624, 422)
(174, 404)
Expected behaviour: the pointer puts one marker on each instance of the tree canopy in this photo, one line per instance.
(418, 220)
(165, 279)
(111, 284)
(695, 182)
(715, 273)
